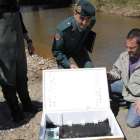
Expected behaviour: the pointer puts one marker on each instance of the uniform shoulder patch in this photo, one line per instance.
(57, 36)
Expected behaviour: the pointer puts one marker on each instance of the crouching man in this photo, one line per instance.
(124, 79)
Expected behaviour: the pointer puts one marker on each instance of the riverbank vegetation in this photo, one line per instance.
(122, 7)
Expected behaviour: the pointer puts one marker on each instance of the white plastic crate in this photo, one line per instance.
(76, 96)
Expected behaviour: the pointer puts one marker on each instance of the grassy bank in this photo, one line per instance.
(122, 7)
(121, 3)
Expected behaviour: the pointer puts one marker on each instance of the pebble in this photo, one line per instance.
(12, 130)
(34, 71)
(23, 126)
(28, 125)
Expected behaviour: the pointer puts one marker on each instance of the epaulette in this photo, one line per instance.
(65, 26)
(65, 23)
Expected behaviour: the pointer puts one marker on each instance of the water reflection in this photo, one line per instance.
(26, 9)
(111, 32)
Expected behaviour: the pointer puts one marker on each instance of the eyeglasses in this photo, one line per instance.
(131, 48)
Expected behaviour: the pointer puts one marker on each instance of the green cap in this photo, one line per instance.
(85, 8)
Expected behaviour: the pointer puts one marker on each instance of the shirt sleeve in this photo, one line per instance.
(58, 50)
(116, 70)
(24, 30)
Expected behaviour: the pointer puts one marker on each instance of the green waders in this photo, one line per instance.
(13, 65)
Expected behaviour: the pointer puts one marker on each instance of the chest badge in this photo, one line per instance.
(57, 36)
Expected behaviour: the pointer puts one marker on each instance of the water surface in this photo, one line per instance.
(41, 22)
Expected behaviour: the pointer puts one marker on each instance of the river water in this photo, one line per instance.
(111, 30)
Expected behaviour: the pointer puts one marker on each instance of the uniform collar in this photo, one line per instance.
(75, 26)
(80, 30)
(75, 30)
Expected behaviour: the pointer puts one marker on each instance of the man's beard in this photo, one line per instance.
(136, 54)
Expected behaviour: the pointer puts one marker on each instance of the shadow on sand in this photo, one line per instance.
(6, 118)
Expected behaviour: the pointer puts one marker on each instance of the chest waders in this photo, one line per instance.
(13, 65)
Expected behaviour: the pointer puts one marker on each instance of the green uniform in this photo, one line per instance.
(69, 42)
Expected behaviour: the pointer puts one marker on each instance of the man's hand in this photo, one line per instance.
(29, 42)
(109, 76)
(31, 49)
(72, 66)
(137, 108)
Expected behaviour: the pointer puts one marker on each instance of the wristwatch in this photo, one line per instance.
(29, 41)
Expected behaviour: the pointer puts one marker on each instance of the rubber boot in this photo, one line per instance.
(17, 114)
(29, 107)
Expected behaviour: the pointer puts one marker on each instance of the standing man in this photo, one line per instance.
(126, 92)
(71, 35)
(13, 65)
